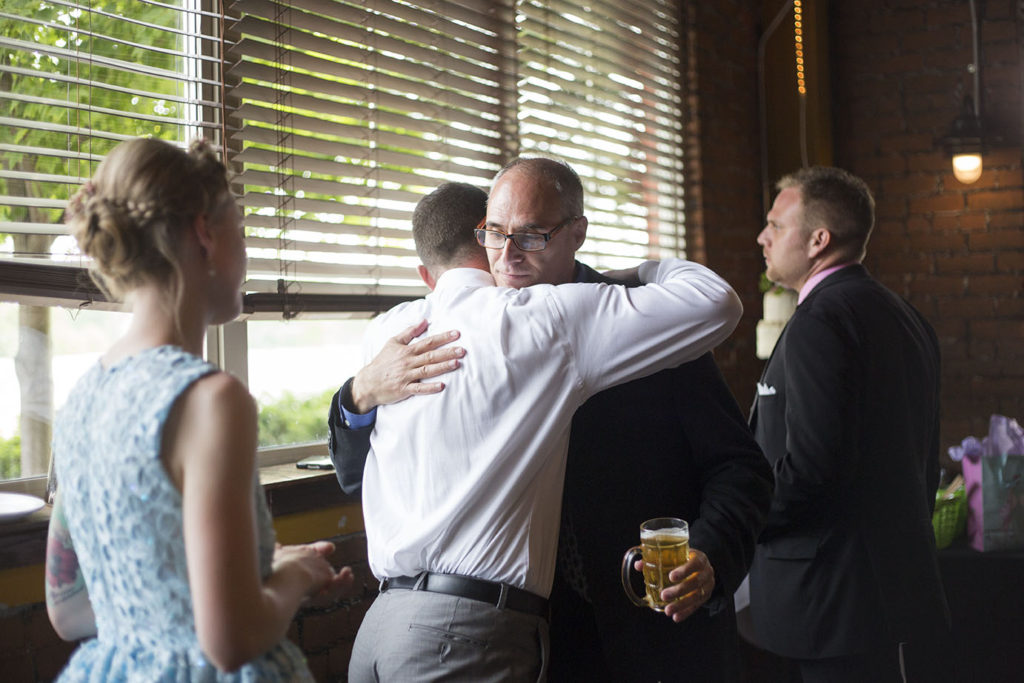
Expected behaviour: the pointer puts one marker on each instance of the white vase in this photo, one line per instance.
(778, 307)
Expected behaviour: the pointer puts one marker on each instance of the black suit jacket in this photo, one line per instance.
(847, 412)
(672, 444)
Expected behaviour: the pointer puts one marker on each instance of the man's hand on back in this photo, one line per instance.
(399, 370)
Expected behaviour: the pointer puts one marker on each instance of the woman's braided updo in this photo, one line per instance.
(131, 217)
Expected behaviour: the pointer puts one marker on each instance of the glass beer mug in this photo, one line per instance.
(664, 545)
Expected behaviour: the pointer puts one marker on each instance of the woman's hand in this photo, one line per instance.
(311, 560)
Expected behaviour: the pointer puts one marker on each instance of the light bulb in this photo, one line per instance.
(967, 167)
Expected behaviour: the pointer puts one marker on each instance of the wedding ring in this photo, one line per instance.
(702, 592)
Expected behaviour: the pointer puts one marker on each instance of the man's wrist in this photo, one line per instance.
(351, 417)
(353, 401)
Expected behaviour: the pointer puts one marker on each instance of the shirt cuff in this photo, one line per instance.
(349, 418)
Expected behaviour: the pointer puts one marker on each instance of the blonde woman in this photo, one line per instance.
(160, 543)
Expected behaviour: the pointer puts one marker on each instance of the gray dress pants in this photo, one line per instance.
(418, 636)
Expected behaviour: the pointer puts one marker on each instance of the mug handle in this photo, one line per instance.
(627, 563)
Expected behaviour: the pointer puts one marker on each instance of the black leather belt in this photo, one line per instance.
(501, 595)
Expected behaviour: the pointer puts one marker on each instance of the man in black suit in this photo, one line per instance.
(673, 444)
(845, 581)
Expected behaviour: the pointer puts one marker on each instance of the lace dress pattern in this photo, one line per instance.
(125, 519)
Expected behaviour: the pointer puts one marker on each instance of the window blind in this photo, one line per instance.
(600, 86)
(347, 113)
(76, 78)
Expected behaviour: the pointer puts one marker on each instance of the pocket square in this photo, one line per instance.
(765, 390)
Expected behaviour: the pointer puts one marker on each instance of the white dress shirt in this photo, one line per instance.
(469, 480)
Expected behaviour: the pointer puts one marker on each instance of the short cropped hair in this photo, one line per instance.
(558, 173)
(838, 201)
(443, 223)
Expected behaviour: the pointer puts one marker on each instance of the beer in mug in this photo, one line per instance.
(664, 545)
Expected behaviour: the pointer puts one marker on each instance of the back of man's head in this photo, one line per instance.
(443, 223)
(838, 201)
(556, 174)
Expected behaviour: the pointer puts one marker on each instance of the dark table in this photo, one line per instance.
(986, 601)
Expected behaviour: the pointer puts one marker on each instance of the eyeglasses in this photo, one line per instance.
(526, 241)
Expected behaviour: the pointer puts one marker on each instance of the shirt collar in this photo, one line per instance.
(464, 277)
(816, 278)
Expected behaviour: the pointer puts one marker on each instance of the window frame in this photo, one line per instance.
(226, 346)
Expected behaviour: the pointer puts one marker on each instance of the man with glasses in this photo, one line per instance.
(462, 489)
(674, 443)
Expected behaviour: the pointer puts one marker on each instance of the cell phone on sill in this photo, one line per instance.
(315, 462)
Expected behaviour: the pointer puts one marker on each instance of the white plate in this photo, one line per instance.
(17, 505)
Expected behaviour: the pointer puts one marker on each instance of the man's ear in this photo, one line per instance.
(819, 242)
(579, 231)
(427, 278)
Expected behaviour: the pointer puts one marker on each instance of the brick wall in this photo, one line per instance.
(955, 251)
(724, 211)
(898, 77)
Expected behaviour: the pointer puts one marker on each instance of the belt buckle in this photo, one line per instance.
(384, 584)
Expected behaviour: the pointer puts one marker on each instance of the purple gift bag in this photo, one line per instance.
(993, 471)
